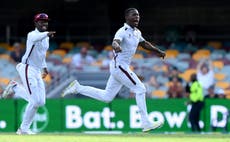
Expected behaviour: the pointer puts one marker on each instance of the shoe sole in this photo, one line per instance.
(6, 92)
(153, 128)
(23, 133)
(19, 132)
(71, 85)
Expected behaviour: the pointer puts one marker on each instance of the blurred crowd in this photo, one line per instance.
(167, 78)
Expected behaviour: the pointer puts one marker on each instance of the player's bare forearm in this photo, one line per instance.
(147, 45)
(116, 45)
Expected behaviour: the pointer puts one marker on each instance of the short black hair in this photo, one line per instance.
(193, 77)
(128, 10)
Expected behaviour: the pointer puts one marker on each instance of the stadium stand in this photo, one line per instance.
(184, 61)
(144, 63)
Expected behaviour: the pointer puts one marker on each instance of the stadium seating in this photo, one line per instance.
(138, 56)
(67, 60)
(144, 63)
(4, 81)
(143, 51)
(108, 48)
(223, 85)
(201, 53)
(159, 94)
(171, 53)
(59, 52)
(219, 76)
(5, 45)
(67, 45)
(218, 64)
(5, 56)
(217, 54)
(227, 93)
(215, 44)
(187, 74)
(83, 44)
(183, 56)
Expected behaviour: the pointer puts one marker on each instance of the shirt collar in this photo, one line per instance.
(129, 27)
(37, 30)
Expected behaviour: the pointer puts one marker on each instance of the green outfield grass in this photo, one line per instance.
(116, 138)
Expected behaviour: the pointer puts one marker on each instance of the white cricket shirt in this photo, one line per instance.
(130, 38)
(206, 80)
(36, 46)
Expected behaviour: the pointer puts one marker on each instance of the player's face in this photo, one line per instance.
(41, 25)
(133, 18)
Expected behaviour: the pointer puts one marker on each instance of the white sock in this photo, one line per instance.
(141, 103)
(28, 117)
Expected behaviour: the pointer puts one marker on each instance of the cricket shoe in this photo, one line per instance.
(9, 89)
(21, 132)
(71, 89)
(152, 126)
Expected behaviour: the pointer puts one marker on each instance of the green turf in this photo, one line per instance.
(116, 138)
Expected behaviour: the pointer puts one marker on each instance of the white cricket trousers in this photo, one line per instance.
(32, 90)
(120, 75)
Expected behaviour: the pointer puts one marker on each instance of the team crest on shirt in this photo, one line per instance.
(135, 33)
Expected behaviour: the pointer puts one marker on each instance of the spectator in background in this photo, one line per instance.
(107, 60)
(211, 92)
(220, 93)
(17, 53)
(124, 93)
(174, 72)
(82, 58)
(205, 74)
(196, 100)
(176, 90)
(151, 85)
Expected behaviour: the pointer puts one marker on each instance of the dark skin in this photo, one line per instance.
(132, 19)
(42, 26)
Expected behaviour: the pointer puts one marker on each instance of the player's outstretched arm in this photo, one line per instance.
(200, 64)
(147, 45)
(39, 36)
(51, 33)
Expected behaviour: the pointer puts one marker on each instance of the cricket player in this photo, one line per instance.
(31, 71)
(125, 43)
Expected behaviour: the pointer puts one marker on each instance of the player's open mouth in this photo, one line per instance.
(136, 22)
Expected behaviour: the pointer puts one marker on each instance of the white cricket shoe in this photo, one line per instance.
(9, 89)
(152, 126)
(28, 132)
(71, 89)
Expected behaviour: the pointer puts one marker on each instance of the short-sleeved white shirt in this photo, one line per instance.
(79, 61)
(206, 80)
(130, 38)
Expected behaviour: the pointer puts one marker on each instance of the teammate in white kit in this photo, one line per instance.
(31, 71)
(125, 43)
